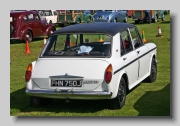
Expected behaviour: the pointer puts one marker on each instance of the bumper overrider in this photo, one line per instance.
(69, 94)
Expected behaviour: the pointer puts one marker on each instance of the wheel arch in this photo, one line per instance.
(24, 33)
(124, 75)
(152, 57)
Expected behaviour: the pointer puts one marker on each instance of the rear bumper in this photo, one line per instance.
(70, 94)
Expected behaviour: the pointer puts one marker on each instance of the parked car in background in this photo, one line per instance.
(110, 16)
(138, 15)
(73, 17)
(91, 61)
(49, 15)
(129, 13)
(26, 25)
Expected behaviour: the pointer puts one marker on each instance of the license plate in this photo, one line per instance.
(66, 83)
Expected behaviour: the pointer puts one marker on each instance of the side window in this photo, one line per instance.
(31, 17)
(135, 38)
(37, 17)
(126, 41)
(55, 13)
(122, 46)
(25, 19)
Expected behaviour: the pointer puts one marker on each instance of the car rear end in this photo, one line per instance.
(70, 69)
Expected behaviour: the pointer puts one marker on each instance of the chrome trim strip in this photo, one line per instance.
(69, 94)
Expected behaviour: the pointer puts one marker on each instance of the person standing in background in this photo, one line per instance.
(147, 15)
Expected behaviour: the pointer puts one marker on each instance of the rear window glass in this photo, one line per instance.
(78, 45)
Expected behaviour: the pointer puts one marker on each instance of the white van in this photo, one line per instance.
(50, 15)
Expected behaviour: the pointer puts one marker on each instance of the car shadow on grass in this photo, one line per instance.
(20, 101)
(22, 41)
(157, 102)
(165, 22)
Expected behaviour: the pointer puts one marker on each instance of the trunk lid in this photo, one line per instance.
(89, 71)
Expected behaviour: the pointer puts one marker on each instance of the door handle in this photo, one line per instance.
(124, 58)
(138, 52)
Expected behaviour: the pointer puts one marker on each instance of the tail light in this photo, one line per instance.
(108, 74)
(28, 72)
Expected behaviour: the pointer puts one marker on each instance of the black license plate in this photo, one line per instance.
(66, 83)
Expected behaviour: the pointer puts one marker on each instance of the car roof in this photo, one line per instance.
(101, 27)
(19, 13)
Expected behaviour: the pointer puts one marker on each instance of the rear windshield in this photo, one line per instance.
(78, 45)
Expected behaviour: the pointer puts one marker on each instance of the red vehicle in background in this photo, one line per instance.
(26, 25)
(129, 13)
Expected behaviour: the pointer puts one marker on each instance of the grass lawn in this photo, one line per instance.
(144, 100)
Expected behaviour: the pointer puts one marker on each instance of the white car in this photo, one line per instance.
(49, 15)
(91, 61)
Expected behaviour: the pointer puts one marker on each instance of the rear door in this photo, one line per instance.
(129, 58)
(38, 25)
(142, 52)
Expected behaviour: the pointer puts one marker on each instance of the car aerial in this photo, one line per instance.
(91, 61)
(110, 16)
(26, 25)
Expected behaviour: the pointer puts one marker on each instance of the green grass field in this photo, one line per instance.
(144, 100)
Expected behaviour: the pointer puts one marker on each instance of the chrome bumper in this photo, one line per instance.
(70, 94)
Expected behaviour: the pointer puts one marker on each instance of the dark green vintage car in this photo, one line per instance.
(73, 17)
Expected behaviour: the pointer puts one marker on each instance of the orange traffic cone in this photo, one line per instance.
(159, 32)
(143, 37)
(44, 42)
(27, 47)
(70, 43)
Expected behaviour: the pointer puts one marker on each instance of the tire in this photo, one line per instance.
(119, 101)
(78, 21)
(153, 72)
(37, 102)
(11, 29)
(125, 21)
(28, 36)
(52, 30)
(136, 21)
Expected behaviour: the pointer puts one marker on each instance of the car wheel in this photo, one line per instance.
(78, 21)
(125, 21)
(153, 72)
(11, 29)
(28, 36)
(136, 21)
(52, 30)
(37, 102)
(119, 101)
